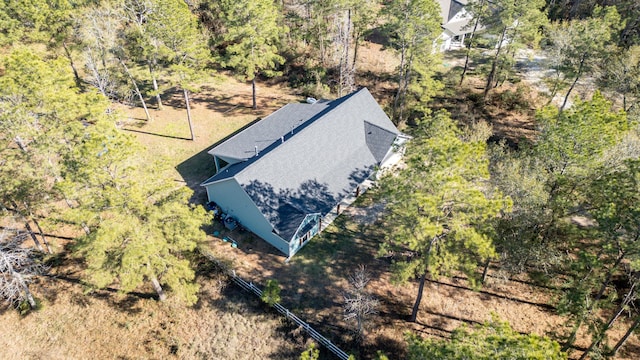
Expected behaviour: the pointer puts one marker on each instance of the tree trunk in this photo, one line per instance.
(253, 93)
(603, 288)
(466, 58)
(494, 64)
(25, 288)
(574, 334)
(416, 305)
(33, 235)
(186, 101)
(85, 228)
(35, 222)
(21, 143)
(627, 299)
(554, 90)
(405, 64)
(624, 339)
(575, 81)
(155, 84)
(396, 100)
(485, 271)
(356, 45)
(156, 286)
(44, 239)
(27, 226)
(346, 81)
(73, 65)
(137, 90)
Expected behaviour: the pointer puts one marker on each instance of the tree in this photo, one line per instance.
(439, 206)
(492, 340)
(146, 242)
(143, 43)
(515, 24)
(137, 229)
(625, 337)
(414, 26)
(18, 268)
(40, 109)
(176, 28)
(630, 10)
(134, 14)
(252, 31)
(33, 20)
(364, 15)
(616, 196)
(98, 32)
(358, 303)
(271, 292)
(311, 353)
(517, 174)
(621, 73)
(328, 34)
(571, 148)
(478, 10)
(577, 148)
(588, 41)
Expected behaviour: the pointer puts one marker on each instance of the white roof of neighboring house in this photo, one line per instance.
(455, 19)
(458, 27)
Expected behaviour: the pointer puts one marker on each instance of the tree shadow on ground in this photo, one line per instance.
(199, 167)
(223, 103)
(125, 302)
(387, 345)
(156, 134)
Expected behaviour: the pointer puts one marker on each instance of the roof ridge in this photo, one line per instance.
(314, 119)
(246, 129)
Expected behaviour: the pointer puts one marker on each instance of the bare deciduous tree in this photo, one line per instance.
(358, 303)
(18, 267)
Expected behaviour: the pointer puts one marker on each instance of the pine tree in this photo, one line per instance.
(583, 43)
(253, 31)
(439, 206)
(177, 28)
(515, 25)
(137, 229)
(492, 340)
(414, 26)
(40, 109)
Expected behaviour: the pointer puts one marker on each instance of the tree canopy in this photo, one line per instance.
(492, 340)
(440, 205)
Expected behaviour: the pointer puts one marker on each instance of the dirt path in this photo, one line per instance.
(534, 67)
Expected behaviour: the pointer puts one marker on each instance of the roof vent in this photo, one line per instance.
(257, 152)
(282, 139)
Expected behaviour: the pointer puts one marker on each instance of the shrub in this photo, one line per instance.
(271, 293)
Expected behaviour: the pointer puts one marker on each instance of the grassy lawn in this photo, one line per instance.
(102, 324)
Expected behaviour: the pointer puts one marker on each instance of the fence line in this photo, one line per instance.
(248, 286)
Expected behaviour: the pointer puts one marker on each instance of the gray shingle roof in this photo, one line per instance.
(266, 131)
(327, 156)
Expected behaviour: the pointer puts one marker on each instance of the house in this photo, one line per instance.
(456, 24)
(286, 175)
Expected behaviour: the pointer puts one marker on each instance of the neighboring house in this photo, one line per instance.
(456, 24)
(283, 175)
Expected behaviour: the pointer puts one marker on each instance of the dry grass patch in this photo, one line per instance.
(102, 325)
